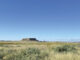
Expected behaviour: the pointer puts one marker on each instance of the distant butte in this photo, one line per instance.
(29, 39)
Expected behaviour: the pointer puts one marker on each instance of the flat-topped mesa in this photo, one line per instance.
(29, 39)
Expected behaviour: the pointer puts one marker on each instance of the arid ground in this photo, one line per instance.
(39, 51)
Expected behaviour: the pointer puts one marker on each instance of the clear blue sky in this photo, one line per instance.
(43, 19)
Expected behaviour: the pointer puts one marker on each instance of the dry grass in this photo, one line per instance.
(8, 48)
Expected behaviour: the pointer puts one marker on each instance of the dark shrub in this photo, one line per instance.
(65, 48)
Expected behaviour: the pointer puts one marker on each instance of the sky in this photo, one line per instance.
(46, 20)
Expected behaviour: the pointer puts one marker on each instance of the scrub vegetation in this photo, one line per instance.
(39, 51)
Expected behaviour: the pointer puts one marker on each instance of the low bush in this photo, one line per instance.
(27, 54)
(65, 48)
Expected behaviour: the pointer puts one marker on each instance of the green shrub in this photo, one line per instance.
(65, 48)
(30, 51)
(27, 54)
(5, 52)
